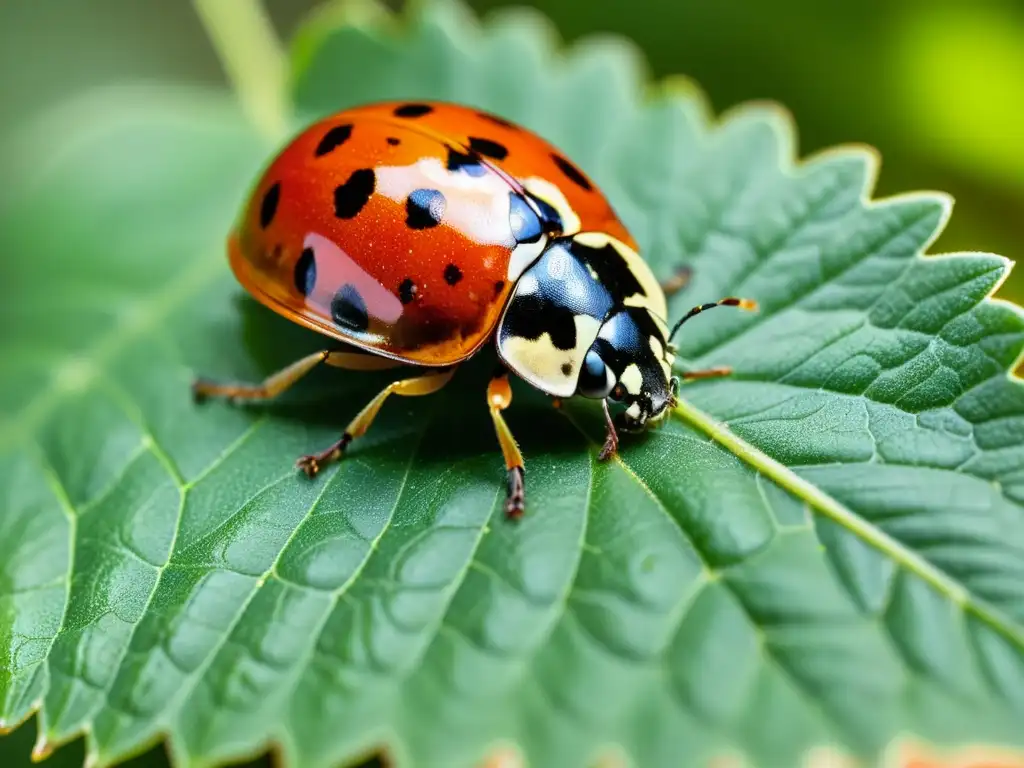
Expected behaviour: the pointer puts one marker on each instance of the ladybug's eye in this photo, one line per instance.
(596, 379)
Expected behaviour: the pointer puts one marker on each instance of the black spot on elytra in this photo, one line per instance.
(488, 148)
(407, 290)
(413, 110)
(571, 172)
(351, 196)
(499, 286)
(424, 208)
(497, 120)
(393, 141)
(333, 139)
(452, 274)
(465, 161)
(305, 272)
(566, 369)
(268, 207)
(349, 310)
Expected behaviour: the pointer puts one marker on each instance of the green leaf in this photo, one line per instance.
(842, 565)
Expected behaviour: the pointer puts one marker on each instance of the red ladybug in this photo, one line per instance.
(416, 233)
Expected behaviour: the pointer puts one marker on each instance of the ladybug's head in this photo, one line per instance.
(630, 363)
(586, 318)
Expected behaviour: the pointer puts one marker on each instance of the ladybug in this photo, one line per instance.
(413, 234)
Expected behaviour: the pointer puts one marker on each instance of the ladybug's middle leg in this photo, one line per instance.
(499, 397)
(425, 384)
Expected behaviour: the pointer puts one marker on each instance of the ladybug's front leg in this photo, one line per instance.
(611, 441)
(499, 397)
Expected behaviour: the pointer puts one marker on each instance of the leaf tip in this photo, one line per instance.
(528, 19)
(686, 90)
(864, 162)
(318, 23)
(941, 202)
(775, 116)
(42, 750)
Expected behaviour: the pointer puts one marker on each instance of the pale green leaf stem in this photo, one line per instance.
(824, 504)
(245, 39)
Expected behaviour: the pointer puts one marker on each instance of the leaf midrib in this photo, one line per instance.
(816, 498)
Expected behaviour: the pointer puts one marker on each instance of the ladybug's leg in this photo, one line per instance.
(677, 281)
(611, 442)
(278, 382)
(499, 397)
(272, 386)
(421, 385)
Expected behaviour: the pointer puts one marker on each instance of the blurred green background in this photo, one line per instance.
(936, 85)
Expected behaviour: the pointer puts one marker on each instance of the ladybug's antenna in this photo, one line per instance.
(731, 301)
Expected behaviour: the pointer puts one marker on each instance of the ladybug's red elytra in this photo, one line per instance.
(416, 233)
